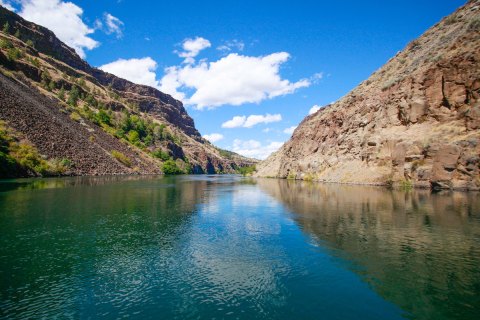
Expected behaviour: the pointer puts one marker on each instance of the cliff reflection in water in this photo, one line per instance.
(74, 243)
(417, 249)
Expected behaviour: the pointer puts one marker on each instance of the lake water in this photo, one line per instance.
(234, 247)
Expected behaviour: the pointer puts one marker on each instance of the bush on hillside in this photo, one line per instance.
(170, 167)
(121, 158)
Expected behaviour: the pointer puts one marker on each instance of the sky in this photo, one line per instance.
(248, 72)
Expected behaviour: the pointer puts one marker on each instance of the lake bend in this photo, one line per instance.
(226, 246)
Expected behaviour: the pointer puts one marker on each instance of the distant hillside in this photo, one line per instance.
(73, 119)
(414, 122)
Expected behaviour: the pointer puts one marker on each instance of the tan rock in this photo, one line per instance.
(417, 118)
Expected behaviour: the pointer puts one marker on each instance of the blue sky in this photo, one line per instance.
(227, 59)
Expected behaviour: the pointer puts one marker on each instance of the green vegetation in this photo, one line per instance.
(73, 96)
(245, 171)
(6, 27)
(28, 157)
(160, 154)
(226, 153)
(170, 167)
(121, 158)
(87, 101)
(406, 185)
(61, 94)
(8, 164)
(20, 158)
(13, 54)
(75, 116)
(5, 44)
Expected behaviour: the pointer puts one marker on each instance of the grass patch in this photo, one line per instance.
(121, 158)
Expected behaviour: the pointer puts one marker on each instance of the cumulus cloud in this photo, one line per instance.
(113, 25)
(141, 71)
(232, 45)
(235, 122)
(64, 19)
(214, 137)
(192, 48)
(255, 149)
(252, 120)
(314, 109)
(234, 79)
(7, 4)
(290, 130)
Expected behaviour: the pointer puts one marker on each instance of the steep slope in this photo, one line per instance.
(416, 121)
(99, 123)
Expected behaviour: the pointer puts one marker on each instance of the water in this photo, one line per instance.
(233, 247)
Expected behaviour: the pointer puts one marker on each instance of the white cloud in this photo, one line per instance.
(7, 4)
(64, 19)
(192, 48)
(214, 137)
(114, 25)
(255, 149)
(234, 79)
(235, 122)
(314, 109)
(267, 130)
(255, 119)
(290, 130)
(141, 71)
(252, 120)
(232, 45)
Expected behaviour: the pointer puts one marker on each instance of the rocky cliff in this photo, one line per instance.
(97, 123)
(414, 122)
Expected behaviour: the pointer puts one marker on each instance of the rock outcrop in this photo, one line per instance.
(39, 75)
(414, 122)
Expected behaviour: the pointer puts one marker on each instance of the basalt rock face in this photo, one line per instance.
(416, 121)
(39, 73)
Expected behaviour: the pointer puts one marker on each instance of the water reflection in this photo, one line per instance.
(230, 247)
(89, 245)
(417, 249)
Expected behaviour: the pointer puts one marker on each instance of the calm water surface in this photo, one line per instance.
(232, 247)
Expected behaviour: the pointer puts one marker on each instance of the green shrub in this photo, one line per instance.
(170, 167)
(61, 94)
(160, 154)
(13, 54)
(6, 27)
(8, 165)
(245, 171)
(133, 136)
(75, 116)
(73, 96)
(104, 117)
(121, 158)
(51, 85)
(29, 158)
(60, 166)
(5, 44)
(90, 99)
